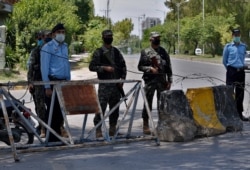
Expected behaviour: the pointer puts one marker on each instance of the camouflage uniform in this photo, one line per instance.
(108, 93)
(34, 74)
(154, 81)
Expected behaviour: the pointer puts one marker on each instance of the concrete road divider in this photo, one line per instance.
(206, 111)
(202, 102)
(176, 122)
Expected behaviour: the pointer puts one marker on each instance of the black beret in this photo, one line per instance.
(58, 27)
(107, 32)
(39, 34)
(47, 32)
(235, 31)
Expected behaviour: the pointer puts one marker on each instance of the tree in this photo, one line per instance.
(168, 35)
(191, 32)
(220, 16)
(85, 10)
(216, 33)
(29, 16)
(92, 36)
(124, 27)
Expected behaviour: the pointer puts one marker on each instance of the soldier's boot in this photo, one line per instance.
(42, 135)
(63, 132)
(146, 129)
(98, 132)
(112, 130)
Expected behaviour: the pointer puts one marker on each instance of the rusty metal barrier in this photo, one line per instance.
(79, 97)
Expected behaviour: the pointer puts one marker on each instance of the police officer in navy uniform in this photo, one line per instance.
(233, 60)
(156, 65)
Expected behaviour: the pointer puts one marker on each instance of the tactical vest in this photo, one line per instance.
(105, 60)
(37, 75)
(161, 55)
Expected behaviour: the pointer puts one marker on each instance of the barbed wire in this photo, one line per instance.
(178, 79)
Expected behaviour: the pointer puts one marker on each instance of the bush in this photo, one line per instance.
(76, 47)
(10, 58)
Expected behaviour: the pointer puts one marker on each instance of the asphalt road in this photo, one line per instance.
(227, 151)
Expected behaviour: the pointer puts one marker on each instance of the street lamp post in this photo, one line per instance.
(178, 41)
(203, 15)
(178, 13)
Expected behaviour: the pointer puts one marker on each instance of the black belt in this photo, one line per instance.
(53, 78)
(236, 69)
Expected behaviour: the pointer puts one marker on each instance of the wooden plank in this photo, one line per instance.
(80, 99)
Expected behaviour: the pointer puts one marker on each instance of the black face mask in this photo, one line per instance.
(108, 41)
(47, 39)
(156, 41)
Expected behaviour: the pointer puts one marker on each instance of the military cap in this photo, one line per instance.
(154, 34)
(235, 31)
(59, 26)
(107, 32)
(47, 32)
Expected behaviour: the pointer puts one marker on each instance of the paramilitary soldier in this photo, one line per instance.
(34, 74)
(109, 63)
(156, 65)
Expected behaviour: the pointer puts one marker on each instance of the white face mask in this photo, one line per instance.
(60, 37)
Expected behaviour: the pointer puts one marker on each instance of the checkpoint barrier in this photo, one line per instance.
(214, 110)
(79, 97)
(202, 103)
(206, 111)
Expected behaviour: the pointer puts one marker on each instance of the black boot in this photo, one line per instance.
(146, 129)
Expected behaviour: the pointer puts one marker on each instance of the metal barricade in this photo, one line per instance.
(80, 97)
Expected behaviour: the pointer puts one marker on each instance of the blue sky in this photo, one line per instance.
(120, 9)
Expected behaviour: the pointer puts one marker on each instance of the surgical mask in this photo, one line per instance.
(156, 41)
(39, 42)
(60, 37)
(236, 39)
(108, 40)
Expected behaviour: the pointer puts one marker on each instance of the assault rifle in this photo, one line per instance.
(155, 63)
(119, 87)
(121, 90)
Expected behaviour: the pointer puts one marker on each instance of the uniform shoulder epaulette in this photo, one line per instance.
(147, 50)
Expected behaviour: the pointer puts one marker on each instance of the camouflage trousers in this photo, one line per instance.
(150, 88)
(39, 100)
(108, 95)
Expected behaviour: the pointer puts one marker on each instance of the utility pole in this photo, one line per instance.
(203, 15)
(106, 11)
(108, 15)
(178, 10)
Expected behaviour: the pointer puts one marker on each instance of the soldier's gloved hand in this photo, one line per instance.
(48, 92)
(31, 89)
(168, 85)
(108, 69)
(119, 85)
(154, 70)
